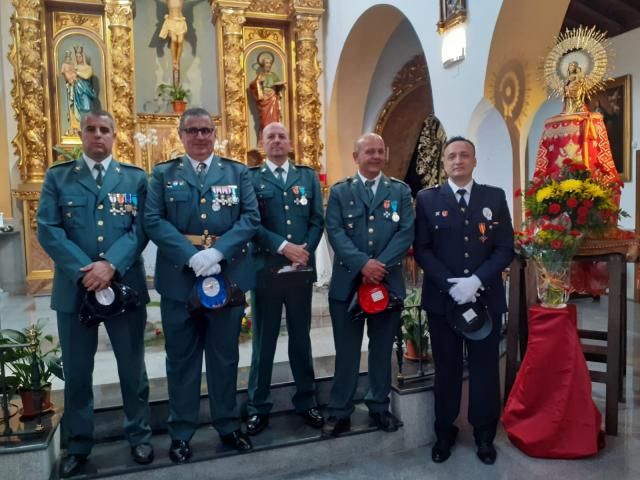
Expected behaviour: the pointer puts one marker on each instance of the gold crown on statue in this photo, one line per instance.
(590, 53)
(78, 49)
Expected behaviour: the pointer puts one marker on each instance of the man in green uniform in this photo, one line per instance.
(90, 224)
(290, 204)
(199, 201)
(370, 227)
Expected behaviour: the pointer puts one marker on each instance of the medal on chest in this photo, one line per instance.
(482, 227)
(386, 205)
(394, 207)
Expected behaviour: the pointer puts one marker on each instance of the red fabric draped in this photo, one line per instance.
(550, 412)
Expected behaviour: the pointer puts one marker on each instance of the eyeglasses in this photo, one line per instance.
(193, 131)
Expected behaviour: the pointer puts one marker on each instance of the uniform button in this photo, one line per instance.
(203, 216)
(284, 194)
(100, 238)
(371, 230)
(466, 222)
(244, 250)
(466, 239)
(288, 222)
(171, 199)
(68, 214)
(466, 255)
(371, 217)
(100, 223)
(466, 270)
(350, 216)
(286, 207)
(69, 202)
(351, 202)
(101, 254)
(203, 200)
(370, 242)
(100, 207)
(289, 236)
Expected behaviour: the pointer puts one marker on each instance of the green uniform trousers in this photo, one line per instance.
(269, 300)
(186, 339)
(347, 337)
(79, 345)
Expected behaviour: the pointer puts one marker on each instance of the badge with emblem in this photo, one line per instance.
(488, 214)
(445, 213)
(437, 214)
(296, 191)
(395, 216)
(215, 202)
(483, 229)
(120, 203)
(113, 200)
(386, 205)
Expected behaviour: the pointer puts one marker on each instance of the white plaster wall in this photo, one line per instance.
(401, 47)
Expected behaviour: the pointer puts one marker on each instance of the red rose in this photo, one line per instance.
(556, 244)
(572, 203)
(587, 203)
(574, 233)
(531, 191)
(554, 208)
(583, 211)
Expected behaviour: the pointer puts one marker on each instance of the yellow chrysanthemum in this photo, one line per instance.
(544, 193)
(594, 190)
(570, 185)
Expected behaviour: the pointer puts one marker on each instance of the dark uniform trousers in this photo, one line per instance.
(452, 243)
(178, 204)
(360, 229)
(77, 225)
(284, 216)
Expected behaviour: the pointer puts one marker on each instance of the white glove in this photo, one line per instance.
(213, 270)
(205, 260)
(465, 289)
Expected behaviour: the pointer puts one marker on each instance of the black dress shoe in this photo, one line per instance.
(313, 418)
(335, 426)
(237, 440)
(487, 453)
(441, 450)
(71, 464)
(179, 451)
(384, 421)
(257, 423)
(142, 454)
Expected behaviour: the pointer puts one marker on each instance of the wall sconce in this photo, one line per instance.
(454, 44)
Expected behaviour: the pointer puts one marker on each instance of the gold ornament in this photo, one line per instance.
(578, 66)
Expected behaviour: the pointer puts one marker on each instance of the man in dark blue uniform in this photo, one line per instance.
(464, 240)
(290, 204)
(90, 224)
(370, 227)
(201, 212)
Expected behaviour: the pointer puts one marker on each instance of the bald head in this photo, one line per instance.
(276, 142)
(362, 140)
(369, 155)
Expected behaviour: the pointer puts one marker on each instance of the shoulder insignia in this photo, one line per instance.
(344, 180)
(63, 162)
(130, 165)
(229, 160)
(171, 160)
(397, 180)
(300, 165)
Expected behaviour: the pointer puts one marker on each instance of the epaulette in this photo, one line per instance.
(169, 161)
(344, 180)
(66, 161)
(255, 167)
(301, 165)
(397, 180)
(231, 160)
(432, 187)
(130, 165)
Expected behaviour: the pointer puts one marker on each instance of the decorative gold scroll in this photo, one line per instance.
(122, 81)
(29, 94)
(65, 20)
(307, 96)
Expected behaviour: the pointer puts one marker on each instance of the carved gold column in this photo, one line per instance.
(29, 97)
(122, 79)
(229, 18)
(306, 21)
(32, 143)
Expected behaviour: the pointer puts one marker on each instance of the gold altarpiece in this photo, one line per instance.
(38, 28)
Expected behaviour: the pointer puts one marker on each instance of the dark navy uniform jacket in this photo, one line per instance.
(452, 244)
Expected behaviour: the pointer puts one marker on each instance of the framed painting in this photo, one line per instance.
(614, 103)
(80, 85)
(267, 81)
(452, 12)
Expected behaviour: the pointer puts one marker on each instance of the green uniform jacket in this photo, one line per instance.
(285, 215)
(77, 225)
(178, 205)
(358, 231)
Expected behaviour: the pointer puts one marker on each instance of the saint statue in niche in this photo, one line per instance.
(81, 95)
(267, 90)
(174, 27)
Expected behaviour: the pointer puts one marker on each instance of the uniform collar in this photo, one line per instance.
(91, 163)
(467, 187)
(195, 163)
(272, 166)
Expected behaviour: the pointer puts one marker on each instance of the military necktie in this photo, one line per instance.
(100, 177)
(280, 174)
(368, 186)
(462, 203)
(202, 169)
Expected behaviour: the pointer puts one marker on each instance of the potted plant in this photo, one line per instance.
(417, 345)
(176, 94)
(20, 360)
